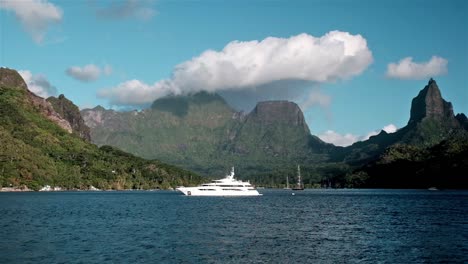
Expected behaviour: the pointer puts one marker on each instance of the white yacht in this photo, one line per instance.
(227, 186)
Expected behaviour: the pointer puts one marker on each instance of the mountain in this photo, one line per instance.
(274, 136)
(443, 165)
(181, 130)
(201, 132)
(40, 147)
(431, 150)
(70, 112)
(431, 121)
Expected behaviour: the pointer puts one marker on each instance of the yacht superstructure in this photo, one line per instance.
(227, 186)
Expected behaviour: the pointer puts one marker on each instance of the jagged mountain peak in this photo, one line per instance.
(430, 104)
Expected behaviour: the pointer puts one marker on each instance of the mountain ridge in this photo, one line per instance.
(273, 130)
(272, 137)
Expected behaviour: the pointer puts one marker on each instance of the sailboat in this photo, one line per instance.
(287, 184)
(299, 185)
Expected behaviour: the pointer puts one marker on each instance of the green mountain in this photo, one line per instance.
(44, 146)
(178, 130)
(201, 132)
(431, 121)
(432, 150)
(443, 165)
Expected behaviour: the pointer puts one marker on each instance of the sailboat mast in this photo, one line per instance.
(299, 182)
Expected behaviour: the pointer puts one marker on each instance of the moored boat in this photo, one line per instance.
(299, 185)
(228, 186)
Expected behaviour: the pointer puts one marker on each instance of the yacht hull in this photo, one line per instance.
(196, 191)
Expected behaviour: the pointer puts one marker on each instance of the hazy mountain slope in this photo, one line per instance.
(202, 133)
(181, 130)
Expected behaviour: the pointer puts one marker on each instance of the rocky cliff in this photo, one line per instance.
(429, 104)
(13, 80)
(431, 121)
(70, 112)
(278, 112)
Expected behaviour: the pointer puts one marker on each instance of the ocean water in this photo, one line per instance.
(312, 226)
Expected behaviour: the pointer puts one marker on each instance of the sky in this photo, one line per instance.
(352, 66)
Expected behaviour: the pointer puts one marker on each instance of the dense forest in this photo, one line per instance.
(35, 151)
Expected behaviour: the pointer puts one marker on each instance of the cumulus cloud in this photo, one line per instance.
(38, 84)
(252, 64)
(409, 70)
(139, 9)
(337, 139)
(34, 15)
(345, 140)
(134, 92)
(88, 73)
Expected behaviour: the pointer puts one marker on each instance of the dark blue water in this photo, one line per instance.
(314, 226)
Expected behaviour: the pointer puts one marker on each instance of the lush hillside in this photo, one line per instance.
(431, 121)
(432, 150)
(39, 148)
(444, 165)
(178, 130)
(202, 133)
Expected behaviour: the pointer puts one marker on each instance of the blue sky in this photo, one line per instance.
(130, 46)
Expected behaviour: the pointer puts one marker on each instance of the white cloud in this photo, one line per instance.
(139, 9)
(251, 64)
(38, 84)
(409, 70)
(337, 139)
(34, 15)
(88, 73)
(390, 128)
(133, 92)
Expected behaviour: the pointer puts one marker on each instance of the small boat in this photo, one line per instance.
(228, 186)
(433, 189)
(299, 185)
